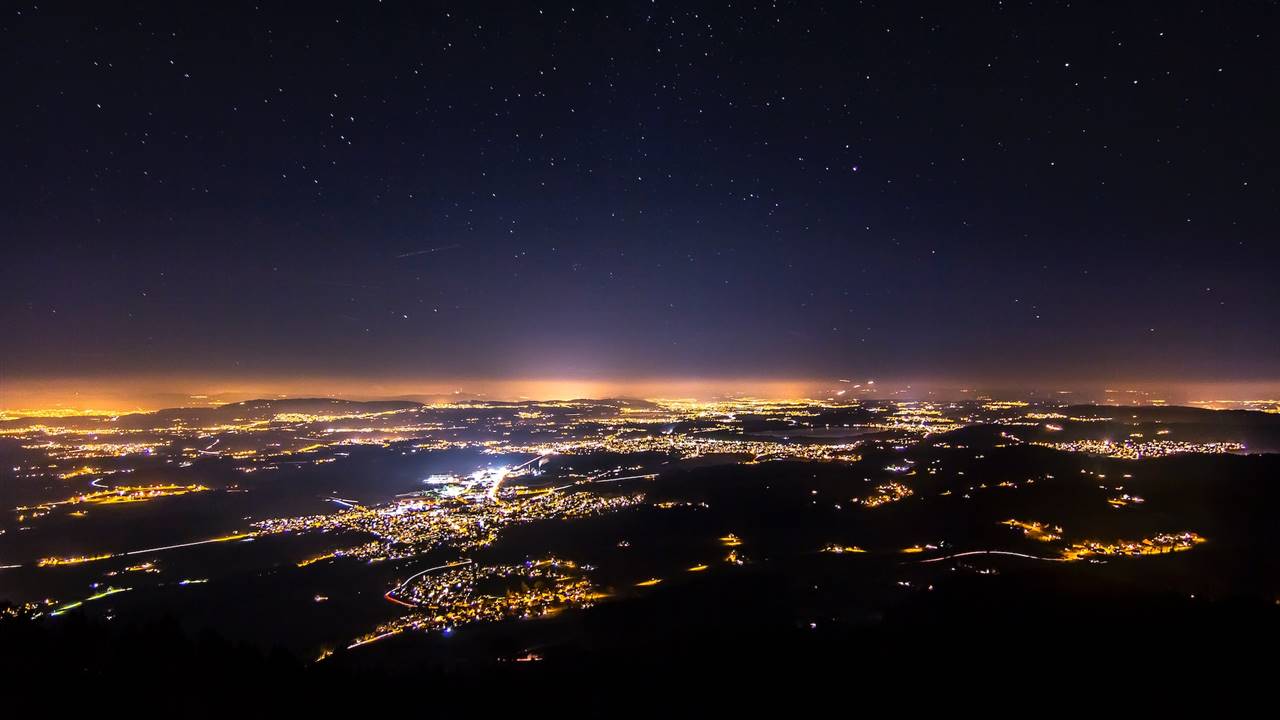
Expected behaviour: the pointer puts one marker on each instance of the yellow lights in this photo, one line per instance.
(224, 538)
(1140, 449)
(104, 593)
(80, 559)
(733, 542)
(308, 418)
(1004, 405)
(555, 462)
(886, 493)
(456, 594)
(73, 560)
(61, 412)
(137, 493)
(1041, 532)
(121, 494)
(670, 504)
(694, 446)
(374, 637)
(1125, 500)
(411, 526)
(28, 610)
(96, 596)
(1161, 544)
(317, 558)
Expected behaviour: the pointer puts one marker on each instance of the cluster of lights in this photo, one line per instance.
(886, 493)
(463, 593)
(1160, 544)
(411, 526)
(1041, 532)
(466, 512)
(1125, 499)
(1131, 450)
(838, 549)
(111, 496)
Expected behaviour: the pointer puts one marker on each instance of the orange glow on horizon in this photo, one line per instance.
(65, 396)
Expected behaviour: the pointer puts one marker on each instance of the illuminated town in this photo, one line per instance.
(452, 595)
(1130, 450)
(508, 466)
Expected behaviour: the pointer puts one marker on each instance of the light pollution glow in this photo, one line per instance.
(107, 395)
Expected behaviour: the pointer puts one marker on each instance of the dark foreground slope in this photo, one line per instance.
(980, 642)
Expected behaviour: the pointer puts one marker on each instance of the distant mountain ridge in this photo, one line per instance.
(266, 409)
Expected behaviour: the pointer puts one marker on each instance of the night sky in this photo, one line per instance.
(959, 190)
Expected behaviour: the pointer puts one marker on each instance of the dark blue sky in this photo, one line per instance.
(960, 190)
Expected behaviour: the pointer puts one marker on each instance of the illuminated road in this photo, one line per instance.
(503, 474)
(390, 594)
(375, 638)
(993, 552)
(227, 538)
(629, 477)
